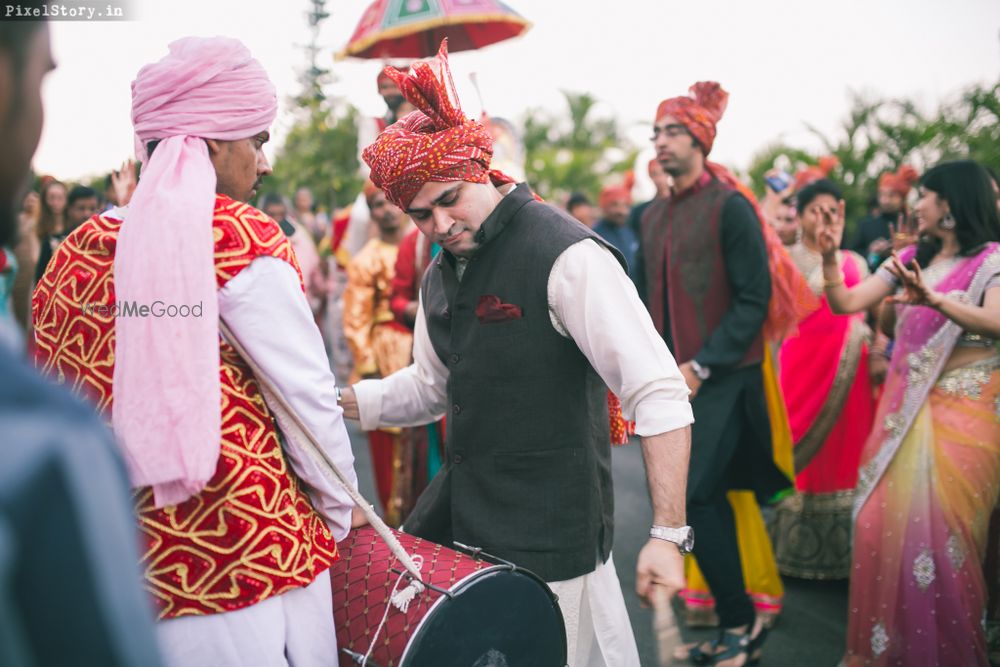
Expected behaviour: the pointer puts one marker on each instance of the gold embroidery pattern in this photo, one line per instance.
(880, 640)
(811, 534)
(894, 423)
(956, 553)
(921, 366)
(867, 476)
(923, 569)
(252, 532)
(966, 381)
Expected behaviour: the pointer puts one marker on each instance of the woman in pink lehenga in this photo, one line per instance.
(828, 391)
(930, 471)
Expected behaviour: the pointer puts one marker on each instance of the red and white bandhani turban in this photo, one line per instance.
(436, 142)
(699, 113)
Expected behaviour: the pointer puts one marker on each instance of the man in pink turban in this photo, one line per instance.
(526, 318)
(240, 525)
(719, 286)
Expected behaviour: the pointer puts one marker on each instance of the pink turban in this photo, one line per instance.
(166, 409)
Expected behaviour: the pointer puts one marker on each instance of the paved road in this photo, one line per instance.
(809, 633)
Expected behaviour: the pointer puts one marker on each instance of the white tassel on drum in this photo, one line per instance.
(401, 599)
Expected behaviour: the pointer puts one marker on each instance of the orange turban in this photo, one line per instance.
(435, 143)
(621, 191)
(369, 190)
(901, 181)
(816, 172)
(699, 113)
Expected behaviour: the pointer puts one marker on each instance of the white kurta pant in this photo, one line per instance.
(294, 629)
(598, 631)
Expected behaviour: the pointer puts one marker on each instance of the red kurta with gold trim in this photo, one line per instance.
(252, 533)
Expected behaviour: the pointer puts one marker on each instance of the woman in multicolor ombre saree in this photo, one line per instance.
(930, 471)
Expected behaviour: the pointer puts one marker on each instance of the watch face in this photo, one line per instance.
(689, 540)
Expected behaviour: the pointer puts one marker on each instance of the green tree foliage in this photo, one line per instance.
(575, 154)
(320, 150)
(880, 135)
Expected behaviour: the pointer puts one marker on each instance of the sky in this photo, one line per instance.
(785, 63)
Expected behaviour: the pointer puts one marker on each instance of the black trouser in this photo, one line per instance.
(711, 516)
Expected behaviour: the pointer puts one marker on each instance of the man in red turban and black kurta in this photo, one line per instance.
(718, 287)
(526, 318)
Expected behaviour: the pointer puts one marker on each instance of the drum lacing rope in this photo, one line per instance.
(293, 428)
(403, 605)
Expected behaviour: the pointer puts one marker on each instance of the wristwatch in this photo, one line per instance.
(683, 537)
(702, 372)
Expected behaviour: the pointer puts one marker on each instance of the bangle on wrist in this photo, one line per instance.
(839, 280)
(340, 396)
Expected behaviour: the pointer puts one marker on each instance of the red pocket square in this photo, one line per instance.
(491, 310)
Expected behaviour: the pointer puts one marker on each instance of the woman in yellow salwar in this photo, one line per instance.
(760, 571)
(930, 470)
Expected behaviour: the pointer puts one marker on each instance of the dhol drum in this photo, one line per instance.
(475, 611)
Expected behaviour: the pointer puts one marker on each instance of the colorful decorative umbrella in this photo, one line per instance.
(415, 28)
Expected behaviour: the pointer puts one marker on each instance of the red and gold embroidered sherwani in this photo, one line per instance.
(252, 533)
(381, 346)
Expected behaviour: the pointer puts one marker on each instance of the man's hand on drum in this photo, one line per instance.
(660, 565)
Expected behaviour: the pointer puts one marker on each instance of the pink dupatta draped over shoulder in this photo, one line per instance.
(167, 397)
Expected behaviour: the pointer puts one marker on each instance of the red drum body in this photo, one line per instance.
(473, 612)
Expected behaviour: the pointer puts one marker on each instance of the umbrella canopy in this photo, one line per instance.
(415, 28)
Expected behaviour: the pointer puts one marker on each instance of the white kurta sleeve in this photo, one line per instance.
(592, 301)
(267, 311)
(411, 396)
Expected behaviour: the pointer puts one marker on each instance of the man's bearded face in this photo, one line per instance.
(675, 147)
(389, 91)
(384, 213)
(240, 166)
(616, 211)
(450, 214)
(889, 201)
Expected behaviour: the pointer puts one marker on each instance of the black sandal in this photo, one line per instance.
(737, 644)
(733, 645)
(696, 655)
(754, 650)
